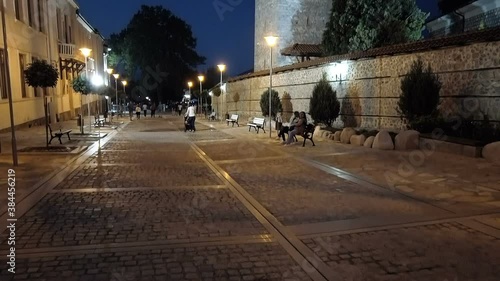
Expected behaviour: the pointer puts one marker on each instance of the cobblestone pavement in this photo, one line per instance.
(158, 203)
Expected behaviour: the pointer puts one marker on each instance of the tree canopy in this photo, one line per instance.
(41, 74)
(158, 50)
(324, 106)
(365, 24)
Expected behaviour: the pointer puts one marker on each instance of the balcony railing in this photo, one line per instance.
(66, 50)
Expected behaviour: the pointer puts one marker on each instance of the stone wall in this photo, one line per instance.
(293, 21)
(369, 89)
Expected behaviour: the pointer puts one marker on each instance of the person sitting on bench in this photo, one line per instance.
(299, 128)
(287, 127)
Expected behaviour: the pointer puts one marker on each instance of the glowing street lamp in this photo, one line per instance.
(86, 53)
(271, 42)
(124, 82)
(221, 67)
(201, 78)
(109, 71)
(190, 84)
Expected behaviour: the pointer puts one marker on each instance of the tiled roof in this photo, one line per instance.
(309, 50)
(491, 34)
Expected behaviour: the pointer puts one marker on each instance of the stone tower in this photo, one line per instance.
(293, 21)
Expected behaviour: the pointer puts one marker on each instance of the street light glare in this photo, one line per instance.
(221, 67)
(124, 82)
(271, 40)
(97, 80)
(109, 70)
(116, 75)
(86, 51)
(190, 84)
(201, 78)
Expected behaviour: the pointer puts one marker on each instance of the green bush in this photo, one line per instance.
(82, 85)
(275, 103)
(324, 106)
(41, 74)
(420, 93)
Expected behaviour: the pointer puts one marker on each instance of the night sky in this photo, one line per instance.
(226, 37)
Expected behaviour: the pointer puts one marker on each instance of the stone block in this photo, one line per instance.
(358, 140)
(337, 136)
(383, 141)
(407, 140)
(491, 152)
(369, 142)
(318, 132)
(347, 133)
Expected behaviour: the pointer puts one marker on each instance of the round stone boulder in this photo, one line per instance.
(347, 133)
(318, 132)
(358, 140)
(383, 141)
(369, 142)
(407, 140)
(337, 136)
(491, 152)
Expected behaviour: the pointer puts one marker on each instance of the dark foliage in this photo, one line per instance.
(420, 93)
(41, 74)
(324, 106)
(275, 103)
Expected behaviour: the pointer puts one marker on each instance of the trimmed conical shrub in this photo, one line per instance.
(324, 106)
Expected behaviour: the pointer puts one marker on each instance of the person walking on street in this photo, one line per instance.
(153, 110)
(190, 117)
(145, 108)
(131, 110)
(138, 111)
(179, 108)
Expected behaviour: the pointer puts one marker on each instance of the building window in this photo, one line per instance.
(3, 86)
(18, 7)
(22, 67)
(31, 18)
(58, 19)
(41, 16)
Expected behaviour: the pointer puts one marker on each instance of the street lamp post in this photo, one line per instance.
(201, 78)
(86, 53)
(271, 42)
(221, 67)
(8, 89)
(124, 82)
(190, 84)
(116, 76)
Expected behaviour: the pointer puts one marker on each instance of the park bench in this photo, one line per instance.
(257, 123)
(212, 116)
(58, 135)
(307, 135)
(233, 119)
(99, 122)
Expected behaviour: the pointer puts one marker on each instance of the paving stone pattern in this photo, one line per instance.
(455, 183)
(140, 176)
(232, 262)
(446, 251)
(69, 219)
(288, 192)
(174, 158)
(237, 150)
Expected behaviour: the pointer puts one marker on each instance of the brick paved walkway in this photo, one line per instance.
(157, 203)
